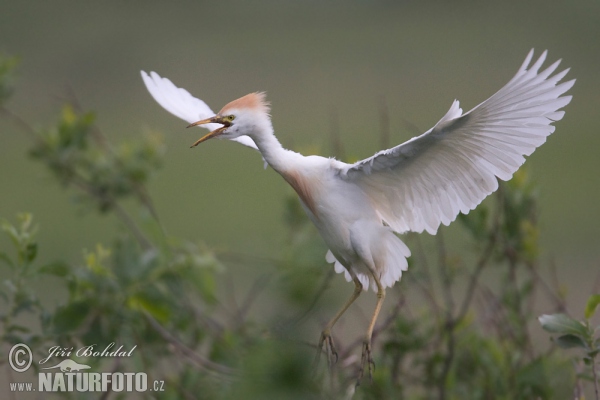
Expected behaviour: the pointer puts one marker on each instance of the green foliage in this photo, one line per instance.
(560, 323)
(592, 305)
(578, 334)
(22, 238)
(7, 68)
(79, 155)
(15, 292)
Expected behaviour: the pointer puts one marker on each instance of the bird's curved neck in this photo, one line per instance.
(272, 151)
(286, 163)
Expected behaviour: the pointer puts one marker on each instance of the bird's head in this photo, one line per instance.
(244, 116)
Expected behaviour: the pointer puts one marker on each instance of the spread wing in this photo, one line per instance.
(452, 167)
(182, 104)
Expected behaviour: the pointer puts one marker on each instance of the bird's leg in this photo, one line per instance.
(366, 351)
(326, 340)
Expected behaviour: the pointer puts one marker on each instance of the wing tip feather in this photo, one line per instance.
(527, 61)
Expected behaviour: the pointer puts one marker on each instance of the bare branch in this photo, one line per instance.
(384, 124)
(334, 134)
(190, 354)
(257, 288)
(20, 122)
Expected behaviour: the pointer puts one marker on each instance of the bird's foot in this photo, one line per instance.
(326, 344)
(366, 359)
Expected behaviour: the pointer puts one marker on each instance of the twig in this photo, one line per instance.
(384, 123)
(481, 264)
(446, 278)
(104, 143)
(378, 329)
(83, 185)
(10, 379)
(560, 303)
(20, 122)
(109, 390)
(97, 134)
(259, 285)
(391, 318)
(133, 227)
(595, 377)
(429, 291)
(244, 258)
(596, 285)
(578, 391)
(411, 127)
(196, 358)
(334, 133)
(450, 322)
(428, 294)
(119, 212)
(296, 320)
(483, 260)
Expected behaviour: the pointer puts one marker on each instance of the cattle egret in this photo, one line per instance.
(416, 186)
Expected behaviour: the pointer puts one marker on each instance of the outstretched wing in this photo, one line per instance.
(182, 104)
(452, 167)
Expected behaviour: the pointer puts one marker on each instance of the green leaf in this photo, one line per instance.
(18, 328)
(24, 301)
(58, 268)
(69, 317)
(204, 281)
(562, 324)
(7, 67)
(569, 341)
(4, 257)
(476, 222)
(149, 302)
(592, 305)
(30, 252)
(12, 233)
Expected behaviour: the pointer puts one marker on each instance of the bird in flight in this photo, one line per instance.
(415, 186)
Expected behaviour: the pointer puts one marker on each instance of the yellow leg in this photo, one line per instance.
(366, 352)
(326, 340)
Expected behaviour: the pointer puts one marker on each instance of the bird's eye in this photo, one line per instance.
(230, 117)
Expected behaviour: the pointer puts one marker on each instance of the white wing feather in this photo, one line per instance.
(182, 104)
(452, 167)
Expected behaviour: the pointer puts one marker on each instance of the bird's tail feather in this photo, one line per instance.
(393, 261)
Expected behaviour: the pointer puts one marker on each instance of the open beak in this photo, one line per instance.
(217, 119)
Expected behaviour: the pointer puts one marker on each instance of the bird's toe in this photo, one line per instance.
(326, 345)
(366, 360)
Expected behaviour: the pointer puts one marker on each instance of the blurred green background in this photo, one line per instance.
(318, 61)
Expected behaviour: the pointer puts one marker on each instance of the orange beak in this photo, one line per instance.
(217, 119)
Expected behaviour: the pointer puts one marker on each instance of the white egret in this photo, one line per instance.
(416, 186)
